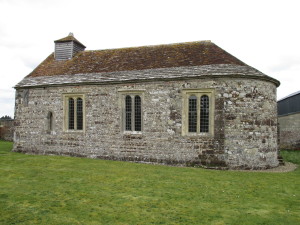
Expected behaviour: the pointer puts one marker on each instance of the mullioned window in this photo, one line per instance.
(131, 104)
(74, 112)
(198, 112)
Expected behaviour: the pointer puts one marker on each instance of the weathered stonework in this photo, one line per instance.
(245, 124)
(89, 103)
(289, 131)
(6, 130)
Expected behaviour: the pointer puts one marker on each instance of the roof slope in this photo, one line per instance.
(70, 37)
(137, 58)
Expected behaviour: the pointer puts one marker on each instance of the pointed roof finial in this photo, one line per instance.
(71, 34)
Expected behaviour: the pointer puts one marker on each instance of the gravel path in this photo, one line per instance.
(287, 167)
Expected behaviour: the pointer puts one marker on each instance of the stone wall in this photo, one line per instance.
(6, 130)
(245, 124)
(289, 126)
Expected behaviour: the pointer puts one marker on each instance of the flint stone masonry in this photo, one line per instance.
(235, 106)
(289, 131)
(6, 130)
(245, 127)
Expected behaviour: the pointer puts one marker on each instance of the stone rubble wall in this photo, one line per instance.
(289, 131)
(245, 128)
(6, 130)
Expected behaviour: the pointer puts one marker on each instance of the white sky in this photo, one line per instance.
(265, 34)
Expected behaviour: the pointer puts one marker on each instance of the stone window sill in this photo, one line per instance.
(133, 133)
(74, 131)
(199, 135)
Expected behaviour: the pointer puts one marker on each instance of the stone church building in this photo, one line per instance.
(191, 104)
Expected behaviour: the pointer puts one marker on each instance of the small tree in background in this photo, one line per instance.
(5, 118)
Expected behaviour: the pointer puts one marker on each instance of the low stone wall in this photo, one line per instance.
(6, 130)
(289, 127)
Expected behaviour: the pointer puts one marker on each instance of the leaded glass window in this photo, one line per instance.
(71, 116)
(132, 112)
(192, 114)
(79, 114)
(128, 112)
(198, 112)
(204, 114)
(137, 113)
(74, 112)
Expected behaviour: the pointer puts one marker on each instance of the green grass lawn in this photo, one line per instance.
(64, 190)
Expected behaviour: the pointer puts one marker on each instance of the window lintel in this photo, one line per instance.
(133, 91)
(196, 91)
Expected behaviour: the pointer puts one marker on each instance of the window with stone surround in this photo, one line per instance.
(25, 97)
(198, 112)
(131, 105)
(49, 122)
(74, 112)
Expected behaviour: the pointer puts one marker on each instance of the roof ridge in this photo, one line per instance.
(196, 53)
(156, 45)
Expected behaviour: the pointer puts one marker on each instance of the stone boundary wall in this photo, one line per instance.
(6, 130)
(245, 124)
(289, 129)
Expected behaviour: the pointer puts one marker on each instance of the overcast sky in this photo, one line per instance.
(265, 34)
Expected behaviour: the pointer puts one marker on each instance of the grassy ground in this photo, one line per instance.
(65, 190)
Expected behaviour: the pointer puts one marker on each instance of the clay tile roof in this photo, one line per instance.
(136, 58)
(70, 37)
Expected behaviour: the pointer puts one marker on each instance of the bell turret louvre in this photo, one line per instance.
(67, 47)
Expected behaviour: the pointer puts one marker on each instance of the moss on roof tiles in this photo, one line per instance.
(69, 38)
(137, 58)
